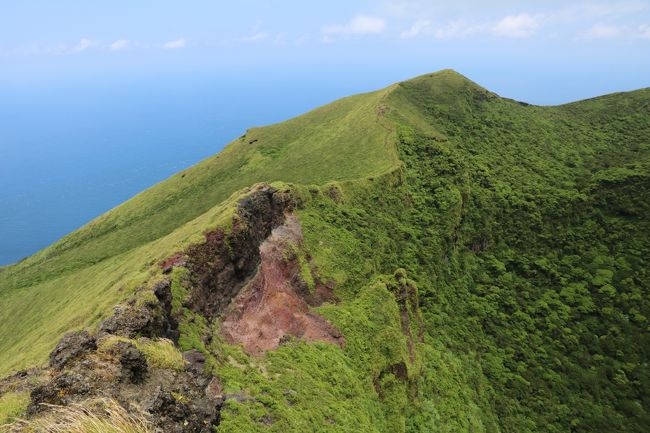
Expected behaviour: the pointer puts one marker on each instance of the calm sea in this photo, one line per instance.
(70, 152)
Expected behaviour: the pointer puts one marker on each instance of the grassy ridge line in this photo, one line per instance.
(75, 282)
(335, 142)
(312, 137)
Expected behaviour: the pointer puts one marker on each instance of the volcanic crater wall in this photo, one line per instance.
(249, 280)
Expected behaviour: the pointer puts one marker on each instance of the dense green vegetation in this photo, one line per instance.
(317, 386)
(524, 231)
(547, 247)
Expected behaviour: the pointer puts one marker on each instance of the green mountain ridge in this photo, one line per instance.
(488, 260)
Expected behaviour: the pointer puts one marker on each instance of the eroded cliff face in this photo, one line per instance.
(275, 304)
(250, 282)
(226, 261)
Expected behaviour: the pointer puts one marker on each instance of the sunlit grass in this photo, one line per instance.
(159, 353)
(12, 405)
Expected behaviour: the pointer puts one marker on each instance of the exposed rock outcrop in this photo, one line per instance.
(144, 316)
(273, 305)
(406, 370)
(406, 295)
(251, 279)
(71, 346)
(223, 264)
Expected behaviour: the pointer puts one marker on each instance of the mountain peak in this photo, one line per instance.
(445, 87)
(444, 77)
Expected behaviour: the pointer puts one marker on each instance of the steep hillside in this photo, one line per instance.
(78, 279)
(428, 257)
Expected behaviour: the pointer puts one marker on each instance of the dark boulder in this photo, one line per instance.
(133, 363)
(144, 315)
(195, 361)
(61, 390)
(163, 292)
(135, 321)
(181, 411)
(71, 346)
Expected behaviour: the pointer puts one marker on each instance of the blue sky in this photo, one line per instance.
(542, 52)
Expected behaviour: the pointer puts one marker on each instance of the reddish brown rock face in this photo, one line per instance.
(273, 304)
(175, 260)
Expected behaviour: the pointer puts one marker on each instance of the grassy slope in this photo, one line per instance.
(524, 227)
(338, 141)
(76, 280)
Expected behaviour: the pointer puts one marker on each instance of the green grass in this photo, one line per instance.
(159, 353)
(13, 406)
(524, 228)
(36, 316)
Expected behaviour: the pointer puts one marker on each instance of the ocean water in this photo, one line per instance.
(69, 152)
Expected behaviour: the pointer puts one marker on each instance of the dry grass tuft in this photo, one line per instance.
(100, 416)
(162, 353)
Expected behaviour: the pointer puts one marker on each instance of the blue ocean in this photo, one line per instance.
(70, 152)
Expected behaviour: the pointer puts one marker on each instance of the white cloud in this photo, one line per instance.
(82, 45)
(120, 44)
(452, 20)
(172, 45)
(359, 25)
(418, 28)
(255, 37)
(516, 26)
(644, 31)
(62, 48)
(59, 48)
(301, 40)
(511, 26)
(459, 29)
(600, 31)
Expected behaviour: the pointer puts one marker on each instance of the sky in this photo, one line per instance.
(544, 52)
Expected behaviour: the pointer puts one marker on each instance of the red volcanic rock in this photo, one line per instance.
(273, 304)
(177, 259)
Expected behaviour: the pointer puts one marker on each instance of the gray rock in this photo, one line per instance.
(71, 346)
